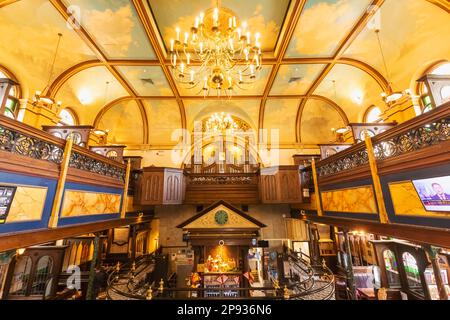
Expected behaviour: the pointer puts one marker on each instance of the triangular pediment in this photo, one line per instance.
(221, 215)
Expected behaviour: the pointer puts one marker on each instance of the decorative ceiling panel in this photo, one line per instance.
(353, 89)
(164, 120)
(295, 79)
(413, 33)
(115, 27)
(198, 110)
(323, 24)
(119, 120)
(89, 90)
(264, 16)
(279, 119)
(147, 80)
(29, 35)
(317, 122)
(254, 89)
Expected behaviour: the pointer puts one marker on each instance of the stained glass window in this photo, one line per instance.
(67, 118)
(21, 276)
(442, 69)
(412, 272)
(12, 102)
(390, 262)
(42, 276)
(373, 115)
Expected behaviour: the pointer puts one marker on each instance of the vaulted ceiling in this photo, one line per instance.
(322, 67)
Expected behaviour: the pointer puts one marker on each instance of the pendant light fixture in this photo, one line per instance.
(390, 96)
(341, 130)
(42, 97)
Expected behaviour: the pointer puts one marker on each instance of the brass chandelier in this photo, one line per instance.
(216, 54)
(220, 123)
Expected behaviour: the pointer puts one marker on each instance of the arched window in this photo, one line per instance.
(390, 263)
(68, 118)
(9, 94)
(43, 273)
(412, 272)
(440, 69)
(21, 276)
(373, 115)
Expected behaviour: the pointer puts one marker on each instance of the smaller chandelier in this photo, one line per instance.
(220, 123)
(390, 96)
(43, 97)
(217, 54)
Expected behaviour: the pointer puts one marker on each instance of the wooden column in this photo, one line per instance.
(314, 251)
(316, 188)
(349, 269)
(90, 295)
(133, 243)
(434, 257)
(123, 211)
(53, 221)
(376, 182)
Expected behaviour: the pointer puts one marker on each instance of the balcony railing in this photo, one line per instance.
(21, 139)
(414, 135)
(312, 282)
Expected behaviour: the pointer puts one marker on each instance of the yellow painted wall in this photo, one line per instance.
(81, 203)
(353, 200)
(28, 204)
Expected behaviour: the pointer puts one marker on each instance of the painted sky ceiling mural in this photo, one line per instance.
(111, 58)
(264, 16)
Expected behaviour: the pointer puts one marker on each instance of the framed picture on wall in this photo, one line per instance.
(6, 198)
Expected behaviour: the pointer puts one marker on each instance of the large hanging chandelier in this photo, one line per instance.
(216, 54)
(220, 123)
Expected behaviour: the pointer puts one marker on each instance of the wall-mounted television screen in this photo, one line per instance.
(6, 198)
(434, 193)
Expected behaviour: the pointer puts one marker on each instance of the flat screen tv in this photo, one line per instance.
(434, 193)
(6, 198)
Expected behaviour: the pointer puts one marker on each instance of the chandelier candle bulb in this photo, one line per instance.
(182, 68)
(202, 17)
(174, 60)
(226, 54)
(216, 17)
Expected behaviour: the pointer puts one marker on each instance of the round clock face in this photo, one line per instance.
(221, 217)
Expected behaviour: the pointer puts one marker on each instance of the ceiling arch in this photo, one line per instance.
(301, 108)
(13, 77)
(142, 17)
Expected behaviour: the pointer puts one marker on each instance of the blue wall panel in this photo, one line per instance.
(19, 179)
(90, 218)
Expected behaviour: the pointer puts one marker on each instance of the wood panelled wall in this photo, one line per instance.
(280, 185)
(160, 186)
